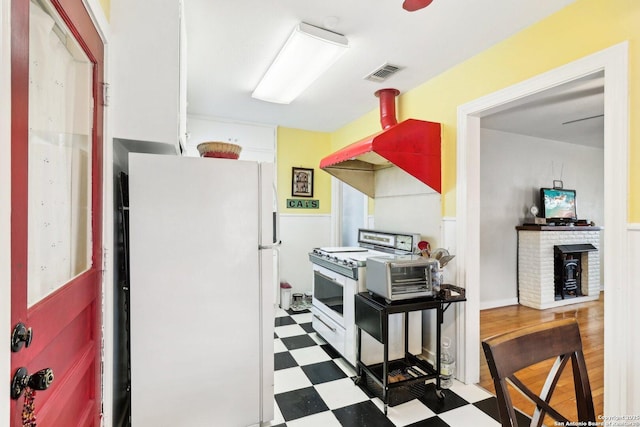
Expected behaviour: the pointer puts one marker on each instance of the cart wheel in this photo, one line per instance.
(440, 393)
(357, 380)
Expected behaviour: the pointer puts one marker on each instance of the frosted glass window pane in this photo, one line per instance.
(60, 112)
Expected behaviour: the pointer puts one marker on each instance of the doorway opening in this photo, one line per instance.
(554, 137)
(613, 62)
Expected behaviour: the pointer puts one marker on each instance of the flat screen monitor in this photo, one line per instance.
(558, 203)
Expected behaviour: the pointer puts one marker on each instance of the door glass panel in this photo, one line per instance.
(328, 292)
(60, 122)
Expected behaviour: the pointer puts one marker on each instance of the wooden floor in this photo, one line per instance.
(590, 316)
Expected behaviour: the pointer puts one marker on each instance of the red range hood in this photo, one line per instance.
(412, 145)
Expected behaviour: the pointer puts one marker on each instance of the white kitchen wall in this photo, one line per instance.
(299, 235)
(513, 169)
(403, 203)
(450, 324)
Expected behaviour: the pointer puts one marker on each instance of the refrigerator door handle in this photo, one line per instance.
(270, 227)
(271, 246)
(276, 242)
(276, 217)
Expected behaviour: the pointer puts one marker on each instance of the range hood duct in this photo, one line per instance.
(412, 145)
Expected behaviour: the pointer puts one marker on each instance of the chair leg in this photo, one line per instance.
(505, 407)
(584, 399)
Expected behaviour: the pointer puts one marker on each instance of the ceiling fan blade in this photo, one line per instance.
(413, 5)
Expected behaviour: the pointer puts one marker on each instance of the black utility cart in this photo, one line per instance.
(410, 372)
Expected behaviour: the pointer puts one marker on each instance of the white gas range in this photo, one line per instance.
(339, 273)
(346, 260)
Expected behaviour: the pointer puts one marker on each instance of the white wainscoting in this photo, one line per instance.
(299, 235)
(632, 391)
(451, 323)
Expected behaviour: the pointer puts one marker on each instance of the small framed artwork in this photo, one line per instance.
(302, 182)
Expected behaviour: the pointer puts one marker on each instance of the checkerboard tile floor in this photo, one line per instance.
(314, 387)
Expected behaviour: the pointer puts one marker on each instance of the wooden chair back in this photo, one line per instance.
(513, 351)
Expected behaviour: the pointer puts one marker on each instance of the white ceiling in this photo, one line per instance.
(230, 44)
(572, 112)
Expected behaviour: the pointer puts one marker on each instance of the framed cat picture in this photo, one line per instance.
(302, 182)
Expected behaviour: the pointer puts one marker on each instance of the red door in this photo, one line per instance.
(56, 202)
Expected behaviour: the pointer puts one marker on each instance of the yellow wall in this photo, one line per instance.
(301, 148)
(585, 27)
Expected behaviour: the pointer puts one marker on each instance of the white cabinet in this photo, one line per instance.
(258, 141)
(148, 78)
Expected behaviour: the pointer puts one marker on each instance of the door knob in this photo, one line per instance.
(41, 380)
(21, 336)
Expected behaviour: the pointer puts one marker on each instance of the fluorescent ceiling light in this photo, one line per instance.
(308, 53)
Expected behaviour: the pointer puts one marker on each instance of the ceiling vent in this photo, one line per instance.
(383, 73)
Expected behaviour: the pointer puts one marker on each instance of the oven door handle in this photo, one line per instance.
(332, 279)
(325, 323)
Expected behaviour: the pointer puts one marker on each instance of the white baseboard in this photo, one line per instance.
(485, 305)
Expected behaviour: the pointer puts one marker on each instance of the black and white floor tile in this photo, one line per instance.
(314, 387)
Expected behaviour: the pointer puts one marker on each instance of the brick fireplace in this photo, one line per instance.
(541, 249)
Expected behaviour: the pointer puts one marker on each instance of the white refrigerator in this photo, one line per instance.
(202, 237)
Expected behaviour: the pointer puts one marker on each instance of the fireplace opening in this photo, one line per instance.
(568, 269)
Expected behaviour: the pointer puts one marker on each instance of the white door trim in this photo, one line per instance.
(614, 62)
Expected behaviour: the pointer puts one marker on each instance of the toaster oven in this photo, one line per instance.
(399, 277)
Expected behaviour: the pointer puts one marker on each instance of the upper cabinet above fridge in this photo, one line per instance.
(147, 87)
